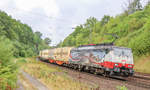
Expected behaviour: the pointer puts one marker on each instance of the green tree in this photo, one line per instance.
(47, 41)
(133, 6)
(105, 20)
(37, 40)
(25, 41)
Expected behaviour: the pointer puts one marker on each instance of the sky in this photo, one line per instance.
(56, 18)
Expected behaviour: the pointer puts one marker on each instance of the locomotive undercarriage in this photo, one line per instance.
(124, 72)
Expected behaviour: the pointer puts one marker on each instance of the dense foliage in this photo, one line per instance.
(133, 31)
(24, 40)
(16, 40)
(8, 69)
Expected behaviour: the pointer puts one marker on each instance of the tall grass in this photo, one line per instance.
(54, 78)
(142, 64)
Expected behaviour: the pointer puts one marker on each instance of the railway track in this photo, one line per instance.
(142, 76)
(141, 80)
(138, 81)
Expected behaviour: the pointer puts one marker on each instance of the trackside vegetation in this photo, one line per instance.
(121, 88)
(8, 69)
(53, 77)
(16, 40)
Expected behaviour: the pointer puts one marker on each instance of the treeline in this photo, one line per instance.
(132, 28)
(25, 41)
(16, 40)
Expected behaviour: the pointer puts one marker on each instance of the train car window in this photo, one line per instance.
(123, 54)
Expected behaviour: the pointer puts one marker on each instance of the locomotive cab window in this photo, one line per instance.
(123, 54)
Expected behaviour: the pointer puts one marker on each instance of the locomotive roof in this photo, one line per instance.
(92, 46)
(103, 44)
(98, 46)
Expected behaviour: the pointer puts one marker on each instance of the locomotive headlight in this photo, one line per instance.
(129, 65)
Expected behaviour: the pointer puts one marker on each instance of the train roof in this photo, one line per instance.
(98, 46)
(103, 44)
(91, 47)
(55, 48)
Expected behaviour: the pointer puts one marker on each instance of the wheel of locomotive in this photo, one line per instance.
(125, 74)
(75, 67)
(80, 68)
(72, 67)
(87, 69)
(97, 71)
(106, 74)
(102, 72)
(69, 66)
(92, 71)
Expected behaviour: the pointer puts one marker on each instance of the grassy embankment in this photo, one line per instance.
(142, 64)
(54, 78)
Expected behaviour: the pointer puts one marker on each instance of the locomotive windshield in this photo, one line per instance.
(123, 54)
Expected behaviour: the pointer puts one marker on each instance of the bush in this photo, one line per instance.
(8, 69)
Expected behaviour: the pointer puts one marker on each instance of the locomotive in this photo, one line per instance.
(105, 59)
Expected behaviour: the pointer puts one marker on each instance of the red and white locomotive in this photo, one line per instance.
(103, 58)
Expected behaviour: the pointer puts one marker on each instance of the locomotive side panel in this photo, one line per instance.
(87, 57)
(110, 60)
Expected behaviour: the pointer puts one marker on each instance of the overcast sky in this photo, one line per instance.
(55, 18)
